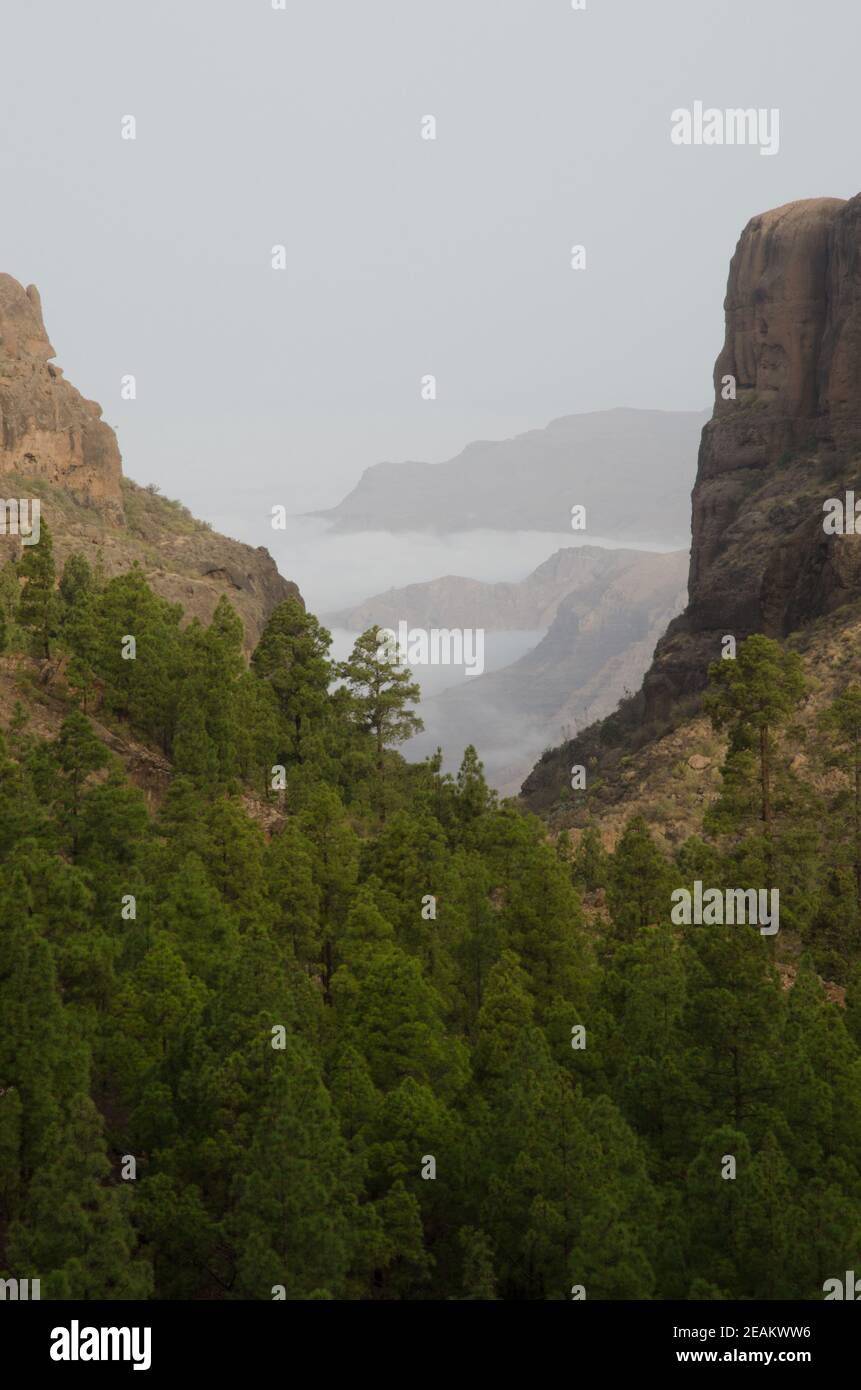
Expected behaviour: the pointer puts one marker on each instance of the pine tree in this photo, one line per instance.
(289, 873)
(355, 1098)
(754, 696)
(506, 1012)
(74, 1228)
(479, 1281)
(79, 753)
(640, 881)
(648, 1062)
(77, 583)
(411, 1033)
(10, 592)
(257, 732)
(394, 1017)
(292, 658)
(380, 691)
(479, 934)
(590, 865)
(290, 1221)
(38, 609)
(843, 721)
(407, 1265)
(474, 797)
(142, 688)
(334, 867)
(735, 1014)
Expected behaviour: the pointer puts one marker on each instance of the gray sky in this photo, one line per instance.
(405, 257)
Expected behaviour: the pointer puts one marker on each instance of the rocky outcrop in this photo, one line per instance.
(55, 446)
(184, 561)
(48, 431)
(784, 436)
(759, 558)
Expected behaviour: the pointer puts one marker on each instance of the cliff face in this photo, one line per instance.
(54, 446)
(47, 429)
(760, 560)
(768, 459)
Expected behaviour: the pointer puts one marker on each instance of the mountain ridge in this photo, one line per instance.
(644, 459)
(457, 600)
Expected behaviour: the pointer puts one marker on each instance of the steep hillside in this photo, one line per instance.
(672, 779)
(55, 447)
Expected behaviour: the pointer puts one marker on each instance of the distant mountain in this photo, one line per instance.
(632, 470)
(599, 643)
(458, 602)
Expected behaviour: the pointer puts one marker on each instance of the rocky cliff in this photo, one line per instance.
(785, 435)
(54, 446)
(48, 431)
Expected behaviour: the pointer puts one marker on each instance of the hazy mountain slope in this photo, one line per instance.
(631, 469)
(599, 644)
(454, 601)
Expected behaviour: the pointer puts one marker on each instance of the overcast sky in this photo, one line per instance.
(404, 257)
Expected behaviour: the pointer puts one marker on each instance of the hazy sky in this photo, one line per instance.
(258, 126)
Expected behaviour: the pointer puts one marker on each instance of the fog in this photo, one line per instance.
(302, 127)
(500, 650)
(337, 570)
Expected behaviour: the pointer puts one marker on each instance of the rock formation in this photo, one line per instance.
(47, 429)
(55, 446)
(785, 435)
